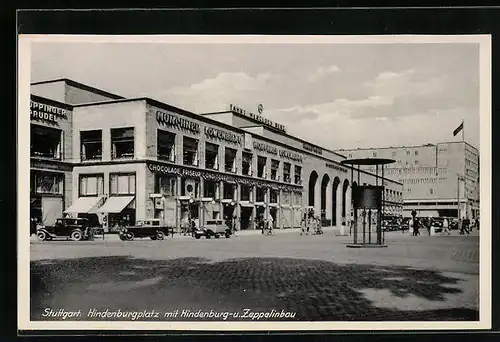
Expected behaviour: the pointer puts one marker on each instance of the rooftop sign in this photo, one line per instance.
(258, 117)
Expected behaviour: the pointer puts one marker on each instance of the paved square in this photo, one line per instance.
(315, 277)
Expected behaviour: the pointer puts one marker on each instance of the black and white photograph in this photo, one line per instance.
(254, 182)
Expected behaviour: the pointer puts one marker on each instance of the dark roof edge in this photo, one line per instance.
(82, 86)
(51, 102)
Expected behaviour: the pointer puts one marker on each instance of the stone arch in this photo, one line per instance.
(313, 178)
(325, 182)
(335, 202)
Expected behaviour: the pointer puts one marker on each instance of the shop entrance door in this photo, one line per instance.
(52, 209)
(246, 218)
(274, 214)
(228, 211)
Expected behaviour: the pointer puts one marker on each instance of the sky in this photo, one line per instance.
(339, 96)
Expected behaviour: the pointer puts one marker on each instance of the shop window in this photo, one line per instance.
(91, 185)
(273, 196)
(287, 172)
(261, 167)
(91, 145)
(190, 151)
(285, 198)
(46, 142)
(211, 156)
(211, 189)
(230, 160)
(298, 174)
(122, 184)
(246, 192)
(166, 146)
(166, 185)
(261, 195)
(228, 191)
(275, 164)
(246, 164)
(122, 143)
(297, 198)
(190, 187)
(47, 183)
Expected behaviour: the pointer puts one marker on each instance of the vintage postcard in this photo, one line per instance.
(254, 182)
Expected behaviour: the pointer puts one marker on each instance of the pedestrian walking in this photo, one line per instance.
(428, 225)
(446, 227)
(416, 226)
(464, 228)
(303, 224)
(234, 225)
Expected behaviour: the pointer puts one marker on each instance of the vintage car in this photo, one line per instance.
(214, 228)
(146, 228)
(76, 229)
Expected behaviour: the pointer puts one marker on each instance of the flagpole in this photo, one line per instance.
(463, 131)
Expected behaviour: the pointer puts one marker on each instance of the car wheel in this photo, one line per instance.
(42, 236)
(228, 236)
(197, 236)
(160, 235)
(129, 236)
(216, 236)
(153, 237)
(76, 235)
(208, 236)
(123, 237)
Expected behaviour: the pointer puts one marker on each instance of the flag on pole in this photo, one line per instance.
(458, 129)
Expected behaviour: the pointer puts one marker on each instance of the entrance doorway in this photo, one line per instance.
(246, 218)
(274, 214)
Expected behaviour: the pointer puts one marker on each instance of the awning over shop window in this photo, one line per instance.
(246, 204)
(115, 204)
(85, 205)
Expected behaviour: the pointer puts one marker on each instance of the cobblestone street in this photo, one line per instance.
(315, 277)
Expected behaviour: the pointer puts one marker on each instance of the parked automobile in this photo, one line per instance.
(76, 229)
(215, 228)
(146, 228)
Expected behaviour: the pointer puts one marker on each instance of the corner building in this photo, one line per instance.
(134, 159)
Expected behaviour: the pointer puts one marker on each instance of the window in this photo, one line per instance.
(261, 167)
(393, 153)
(273, 196)
(47, 183)
(297, 198)
(246, 164)
(228, 191)
(245, 192)
(190, 151)
(166, 146)
(407, 153)
(350, 155)
(416, 162)
(261, 195)
(211, 156)
(91, 185)
(286, 172)
(122, 184)
(275, 164)
(45, 142)
(230, 160)
(122, 143)
(374, 154)
(416, 153)
(431, 191)
(285, 198)
(166, 185)
(211, 189)
(91, 145)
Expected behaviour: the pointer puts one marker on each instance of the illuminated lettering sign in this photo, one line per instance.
(291, 155)
(258, 117)
(265, 148)
(336, 167)
(177, 122)
(312, 148)
(40, 111)
(214, 176)
(215, 133)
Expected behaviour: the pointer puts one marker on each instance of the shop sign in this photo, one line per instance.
(216, 133)
(209, 175)
(265, 148)
(167, 119)
(291, 155)
(311, 148)
(336, 167)
(41, 111)
(258, 118)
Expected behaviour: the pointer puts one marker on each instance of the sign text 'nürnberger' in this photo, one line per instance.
(177, 122)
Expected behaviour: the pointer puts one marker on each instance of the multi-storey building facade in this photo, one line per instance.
(133, 159)
(435, 177)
